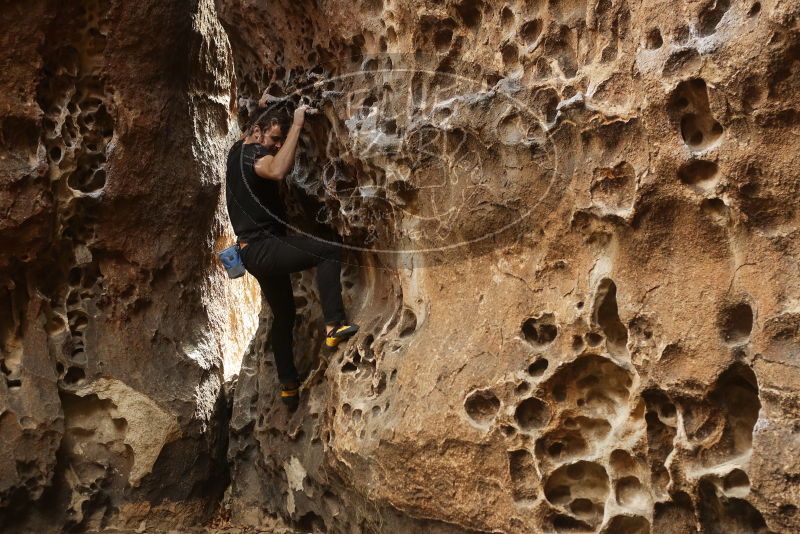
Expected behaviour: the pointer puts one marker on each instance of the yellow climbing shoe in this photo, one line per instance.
(340, 333)
(290, 395)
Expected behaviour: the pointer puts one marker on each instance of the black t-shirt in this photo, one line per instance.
(249, 219)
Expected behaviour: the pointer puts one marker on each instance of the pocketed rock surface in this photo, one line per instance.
(572, 250)
(623, 358)
(113, 317)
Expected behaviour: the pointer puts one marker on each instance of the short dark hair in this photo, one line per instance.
(266, 118)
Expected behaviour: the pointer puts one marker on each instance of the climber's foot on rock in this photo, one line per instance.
(290, 395)
(339, 333)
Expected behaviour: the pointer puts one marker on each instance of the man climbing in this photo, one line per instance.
(256, 166)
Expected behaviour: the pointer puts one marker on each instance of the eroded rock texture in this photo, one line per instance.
(622, 356)
(112, 323)
(572, 237)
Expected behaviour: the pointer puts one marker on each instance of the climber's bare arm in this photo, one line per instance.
(278, 166)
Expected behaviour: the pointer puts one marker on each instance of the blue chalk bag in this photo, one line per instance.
(232, 261)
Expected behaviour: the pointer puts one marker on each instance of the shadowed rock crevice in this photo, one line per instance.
(607, 317)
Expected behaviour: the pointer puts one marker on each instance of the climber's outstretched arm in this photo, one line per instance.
(278, 166)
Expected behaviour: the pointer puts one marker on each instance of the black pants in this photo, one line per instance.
(271, 260)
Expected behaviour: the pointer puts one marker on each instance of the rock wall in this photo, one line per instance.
(571, 234)
(573, 253)
(114, 318)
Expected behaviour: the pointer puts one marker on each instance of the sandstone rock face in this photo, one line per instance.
(571, 235)
(113, 317)
(573, 231)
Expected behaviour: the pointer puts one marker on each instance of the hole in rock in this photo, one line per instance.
(736, 400)
(311, 522)
(699, 129)
(404, 191)
(711, 15)
(577, 343)
(607, 317)
(715, 208)
(666, 411)
(629, 492)
(736, 481)
(470, 13)
(573, 438)
(654, 39)
(74, 375)
(736, 323)
(626, 524)
(530, 31)
(74, 277)
(720, 514)
(540, 330)
(380, 387)
(698, 173)
(754, 10)
(482, 406)
(581, 507)
(660, 438)
(565, 523)
(558, 494)
(442, 39)
(580, 480)
(507, 17)
(593, 339)
(555, 449)
(597, 385)
(538, 367)
(621, 461)
(788, 510)
(531, 414)
(508, 430)
(78, 320)
(510, 55)
(408, 323)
